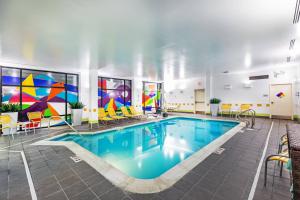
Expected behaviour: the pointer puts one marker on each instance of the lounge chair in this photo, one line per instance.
(282, 158)
(112, 114)
(226, 109)
(283, 142)
(127, 114)
(103, 117)
(134, 112)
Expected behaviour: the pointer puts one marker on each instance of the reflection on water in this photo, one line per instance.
(147, 151)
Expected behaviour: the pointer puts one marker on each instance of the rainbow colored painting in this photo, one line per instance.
(151, 96)
(39, 92)
(114, 93)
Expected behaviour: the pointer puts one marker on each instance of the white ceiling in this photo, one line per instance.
(156, 39)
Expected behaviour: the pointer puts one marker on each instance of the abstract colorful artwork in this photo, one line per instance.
(280, 95)
(114, 93)
(151, 96)
(47, 92)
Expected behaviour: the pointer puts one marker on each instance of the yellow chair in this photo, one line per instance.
(6, 122)
(127, 114)
(102, 116)
(112, 114)
(282, 158)
(226, 109)
(36, 119)
(244, 107)
(134, 112)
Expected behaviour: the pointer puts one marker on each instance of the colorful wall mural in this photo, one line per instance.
(47, 92)
(151, 96)
(114, 93)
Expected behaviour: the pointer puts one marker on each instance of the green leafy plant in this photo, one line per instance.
(77, 105)
(214, 101)
(6, 107)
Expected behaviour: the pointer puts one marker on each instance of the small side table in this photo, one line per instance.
(27, 126)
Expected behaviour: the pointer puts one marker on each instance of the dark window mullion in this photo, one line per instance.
(66, 97)
(21, 89)
(0, 87)
(123, 92)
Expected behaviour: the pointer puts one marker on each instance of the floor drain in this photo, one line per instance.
(219, 151)
(75, 159)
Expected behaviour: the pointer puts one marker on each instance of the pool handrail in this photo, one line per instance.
(49, 125)
(252, 114)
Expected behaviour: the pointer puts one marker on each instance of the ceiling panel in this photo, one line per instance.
(153, 39)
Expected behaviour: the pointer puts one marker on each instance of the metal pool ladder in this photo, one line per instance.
(249, 122)
(49, 125)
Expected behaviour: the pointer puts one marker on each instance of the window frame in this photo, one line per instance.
(158, 88)
(124, 86)
(66, 115)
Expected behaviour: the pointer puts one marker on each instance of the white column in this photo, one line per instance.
(84, 92)
(93, 94)
(208, 90)
(137, 90)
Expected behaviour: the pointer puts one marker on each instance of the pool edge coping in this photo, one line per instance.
(143, 186)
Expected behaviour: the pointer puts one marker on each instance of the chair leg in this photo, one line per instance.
(11, 133)
(279, 148)
(266, 170)
(281, 167)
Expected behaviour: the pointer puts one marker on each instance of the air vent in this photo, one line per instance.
(296, 13)
(288, 59)
(258, 77)
(292, 43)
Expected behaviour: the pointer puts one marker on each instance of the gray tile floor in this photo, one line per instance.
(277, 187)
(226, 176)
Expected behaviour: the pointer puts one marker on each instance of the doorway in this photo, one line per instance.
(200, 101)
(281, 104)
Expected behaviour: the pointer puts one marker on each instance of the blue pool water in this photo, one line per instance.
(147, 151)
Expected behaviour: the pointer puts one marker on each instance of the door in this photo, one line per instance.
(200, 101)
(281, 104)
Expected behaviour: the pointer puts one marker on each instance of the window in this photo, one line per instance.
(151, 96)
(35, 90)
(114, 93)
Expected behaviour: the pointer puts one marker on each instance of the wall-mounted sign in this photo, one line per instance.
(280, 95)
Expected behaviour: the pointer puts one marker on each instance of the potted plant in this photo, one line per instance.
(12, 110)
(214, 106)
(77, 109)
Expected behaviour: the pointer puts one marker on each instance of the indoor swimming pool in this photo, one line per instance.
(148, 150)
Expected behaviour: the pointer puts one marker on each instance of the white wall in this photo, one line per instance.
(259, 92)
(183, 92)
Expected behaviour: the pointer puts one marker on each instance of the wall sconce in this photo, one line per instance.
(228, 87)
(248, 85)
